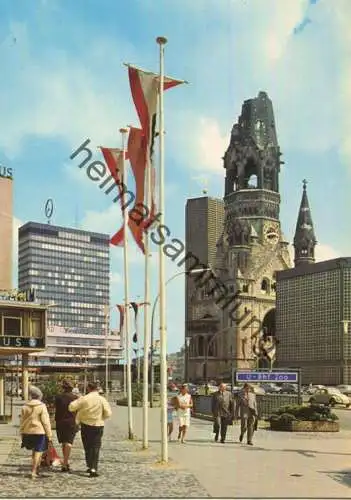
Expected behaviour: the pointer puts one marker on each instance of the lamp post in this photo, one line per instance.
(187, 345)
(344, 344)
(194, 271)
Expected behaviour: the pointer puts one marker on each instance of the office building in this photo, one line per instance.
(313, 321)
(69, 270)
(6, 228)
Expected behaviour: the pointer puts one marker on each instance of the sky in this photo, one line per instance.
(63, 81)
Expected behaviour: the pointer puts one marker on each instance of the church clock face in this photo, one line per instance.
(270, 233)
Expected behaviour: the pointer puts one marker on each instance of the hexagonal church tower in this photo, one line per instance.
(249, 252)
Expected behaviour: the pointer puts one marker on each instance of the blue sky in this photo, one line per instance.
(63, 81)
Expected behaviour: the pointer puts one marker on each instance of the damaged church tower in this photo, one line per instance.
(249, 252)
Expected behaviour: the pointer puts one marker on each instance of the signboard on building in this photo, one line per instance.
(262, 376)
(22, 342)
(6, 172)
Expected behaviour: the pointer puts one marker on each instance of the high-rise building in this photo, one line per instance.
(203, 227)
(225, 325)
(69, 269)
(6, 228)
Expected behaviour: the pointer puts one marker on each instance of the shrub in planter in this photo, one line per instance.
(287, 415)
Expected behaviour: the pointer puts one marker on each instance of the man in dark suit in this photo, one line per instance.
(247, 409)
(222, 411)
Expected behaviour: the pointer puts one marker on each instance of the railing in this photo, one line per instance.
(266, 404)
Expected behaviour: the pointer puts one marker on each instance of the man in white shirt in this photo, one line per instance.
(92, 410)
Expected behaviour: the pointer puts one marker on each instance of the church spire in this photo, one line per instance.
(304, 239)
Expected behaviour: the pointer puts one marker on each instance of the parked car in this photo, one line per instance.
(270, 388)
(289, 389)
(193, 390)
(258, 390)
(330, 396)
(345, 389)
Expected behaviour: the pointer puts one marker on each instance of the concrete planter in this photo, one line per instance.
(305, 426)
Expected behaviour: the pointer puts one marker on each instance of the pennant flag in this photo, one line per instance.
(135, 307)
(114, 158)
(137, 152)
(144, 87)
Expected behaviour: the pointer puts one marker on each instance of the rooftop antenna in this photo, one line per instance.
(49, 209)
(203, 182)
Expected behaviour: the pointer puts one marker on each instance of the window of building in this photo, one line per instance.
(265, 286)
(12, 326)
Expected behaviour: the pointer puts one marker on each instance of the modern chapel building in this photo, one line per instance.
(313, 311)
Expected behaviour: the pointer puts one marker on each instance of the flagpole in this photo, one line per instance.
(146, 314)
(162, 288)
(123, 132)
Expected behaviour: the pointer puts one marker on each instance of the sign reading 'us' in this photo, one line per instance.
(6, 172)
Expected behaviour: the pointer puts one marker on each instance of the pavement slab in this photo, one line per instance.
(126, 472)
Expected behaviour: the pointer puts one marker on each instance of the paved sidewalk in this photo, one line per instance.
(126, 472)
(281, 464)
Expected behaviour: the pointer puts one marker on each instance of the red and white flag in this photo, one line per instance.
(144, 87)
(137, 152)
(114, 161)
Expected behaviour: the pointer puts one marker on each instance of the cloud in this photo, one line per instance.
(69, 98)
(115, 278)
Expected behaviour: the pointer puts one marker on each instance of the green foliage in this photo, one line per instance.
(137, 395)
(53, 386)
(310, 413)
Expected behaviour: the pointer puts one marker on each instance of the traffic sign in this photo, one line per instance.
(259, 376)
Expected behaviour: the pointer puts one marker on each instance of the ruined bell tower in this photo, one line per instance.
(253, 246)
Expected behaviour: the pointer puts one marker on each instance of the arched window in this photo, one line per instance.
(252, 181)
(265, 288)
(245, 288)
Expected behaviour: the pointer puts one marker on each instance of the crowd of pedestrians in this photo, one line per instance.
(225, 410)
(73, 412)
(87, 414)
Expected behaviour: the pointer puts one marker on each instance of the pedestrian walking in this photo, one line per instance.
(35, 428)
(185, 404)
(247, 409)
(222, 411)
(172, 407)
(91, 412)
(66, 427)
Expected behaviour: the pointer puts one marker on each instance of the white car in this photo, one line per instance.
(330, 396)
(345, 389)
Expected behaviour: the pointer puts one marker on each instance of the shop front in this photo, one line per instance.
(22, 331)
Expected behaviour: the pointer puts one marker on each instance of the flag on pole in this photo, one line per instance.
(114, 161)
(137, 152)
(144, 87)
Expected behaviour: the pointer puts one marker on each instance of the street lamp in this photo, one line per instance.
(345, 324)
(193, 271)
(187, 345)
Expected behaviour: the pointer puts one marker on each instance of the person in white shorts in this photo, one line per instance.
(185, 403)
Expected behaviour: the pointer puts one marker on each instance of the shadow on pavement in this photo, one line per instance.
(343, 477)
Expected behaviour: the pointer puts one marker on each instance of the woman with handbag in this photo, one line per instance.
(35, 428)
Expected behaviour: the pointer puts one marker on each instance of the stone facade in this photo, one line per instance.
(227, 335)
